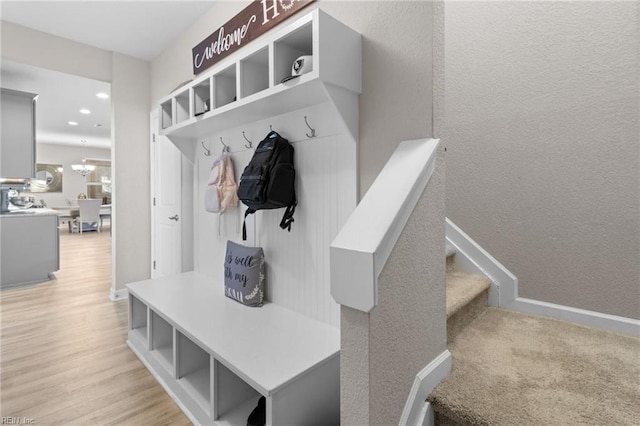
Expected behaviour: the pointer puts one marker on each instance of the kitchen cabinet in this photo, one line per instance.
(18, 138)
(30, 246)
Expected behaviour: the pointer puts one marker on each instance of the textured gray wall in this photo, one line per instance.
(354, 367)
(541, 122)
(384, 350)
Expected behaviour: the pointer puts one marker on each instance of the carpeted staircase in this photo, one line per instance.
(514, 369)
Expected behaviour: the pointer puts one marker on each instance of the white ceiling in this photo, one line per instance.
(60, 98)
(141, 29)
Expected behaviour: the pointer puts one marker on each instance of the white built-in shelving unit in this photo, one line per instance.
(217, 357)
(247, 86)
(214, 356)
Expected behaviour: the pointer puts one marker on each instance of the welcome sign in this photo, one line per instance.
(254, 20)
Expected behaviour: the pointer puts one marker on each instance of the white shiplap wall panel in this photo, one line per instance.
(298, 261)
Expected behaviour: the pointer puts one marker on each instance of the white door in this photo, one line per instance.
(166, 204)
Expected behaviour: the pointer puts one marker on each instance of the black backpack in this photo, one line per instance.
(268, 181)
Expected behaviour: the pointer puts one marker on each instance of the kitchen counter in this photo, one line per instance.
(30, 246)
(30, 212)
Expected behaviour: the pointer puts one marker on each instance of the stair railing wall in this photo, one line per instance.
(388, 275)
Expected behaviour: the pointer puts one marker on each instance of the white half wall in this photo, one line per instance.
(384, 350)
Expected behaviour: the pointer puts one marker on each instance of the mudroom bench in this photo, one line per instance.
(216, 357)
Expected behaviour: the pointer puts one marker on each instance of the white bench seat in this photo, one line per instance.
(282, 355)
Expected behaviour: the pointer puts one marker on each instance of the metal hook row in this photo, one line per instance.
(249, 144)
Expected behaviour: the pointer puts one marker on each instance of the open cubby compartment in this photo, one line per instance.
(183, 111)
(193, 372)
(202, 97)
(225, 86)
(234, 398)
(254, 73)
(167, 113)
(162, 341)
(289, 48)
(138, 318)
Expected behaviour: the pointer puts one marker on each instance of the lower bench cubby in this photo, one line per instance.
(161, 344)
(216, 357)
(235, 399)
(137, 320)
(194, 371)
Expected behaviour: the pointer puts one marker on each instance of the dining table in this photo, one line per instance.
(71, 212)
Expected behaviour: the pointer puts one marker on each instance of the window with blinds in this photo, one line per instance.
(99, 180)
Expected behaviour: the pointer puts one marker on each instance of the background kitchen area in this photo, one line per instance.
(55, 149)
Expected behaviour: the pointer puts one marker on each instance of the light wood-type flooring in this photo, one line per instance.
(64, 358)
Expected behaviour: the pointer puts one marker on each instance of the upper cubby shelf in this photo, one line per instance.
(247, 86)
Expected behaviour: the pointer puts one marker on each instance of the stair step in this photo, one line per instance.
(467, 296)
(462, 288)
(511, 368)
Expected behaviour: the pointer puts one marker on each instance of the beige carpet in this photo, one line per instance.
(463, 288)
(466, 299)
(516, 369)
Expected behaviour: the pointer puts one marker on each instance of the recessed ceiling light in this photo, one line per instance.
(85, 111)
(73, 123)
(102, 95)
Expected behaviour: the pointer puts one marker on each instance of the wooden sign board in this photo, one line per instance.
(254, 20)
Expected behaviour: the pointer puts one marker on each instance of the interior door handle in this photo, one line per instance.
(174, 217)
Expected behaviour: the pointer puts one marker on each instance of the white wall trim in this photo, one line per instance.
(361, 249)
(580, 316)
(425, 382)
(474, 259)
(115, 295)
(504, 288)
(428, 416)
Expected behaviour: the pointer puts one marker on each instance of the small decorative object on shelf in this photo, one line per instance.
(302, 65)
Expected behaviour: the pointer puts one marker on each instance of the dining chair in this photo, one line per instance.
(105, 213)
(89, 213)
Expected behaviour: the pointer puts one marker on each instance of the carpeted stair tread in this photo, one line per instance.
(511, 368)
(461, 289)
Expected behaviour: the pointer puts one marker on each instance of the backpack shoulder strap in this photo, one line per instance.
(287, 217)
(244, 223)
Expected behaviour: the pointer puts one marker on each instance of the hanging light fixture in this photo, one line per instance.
(83, 169)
